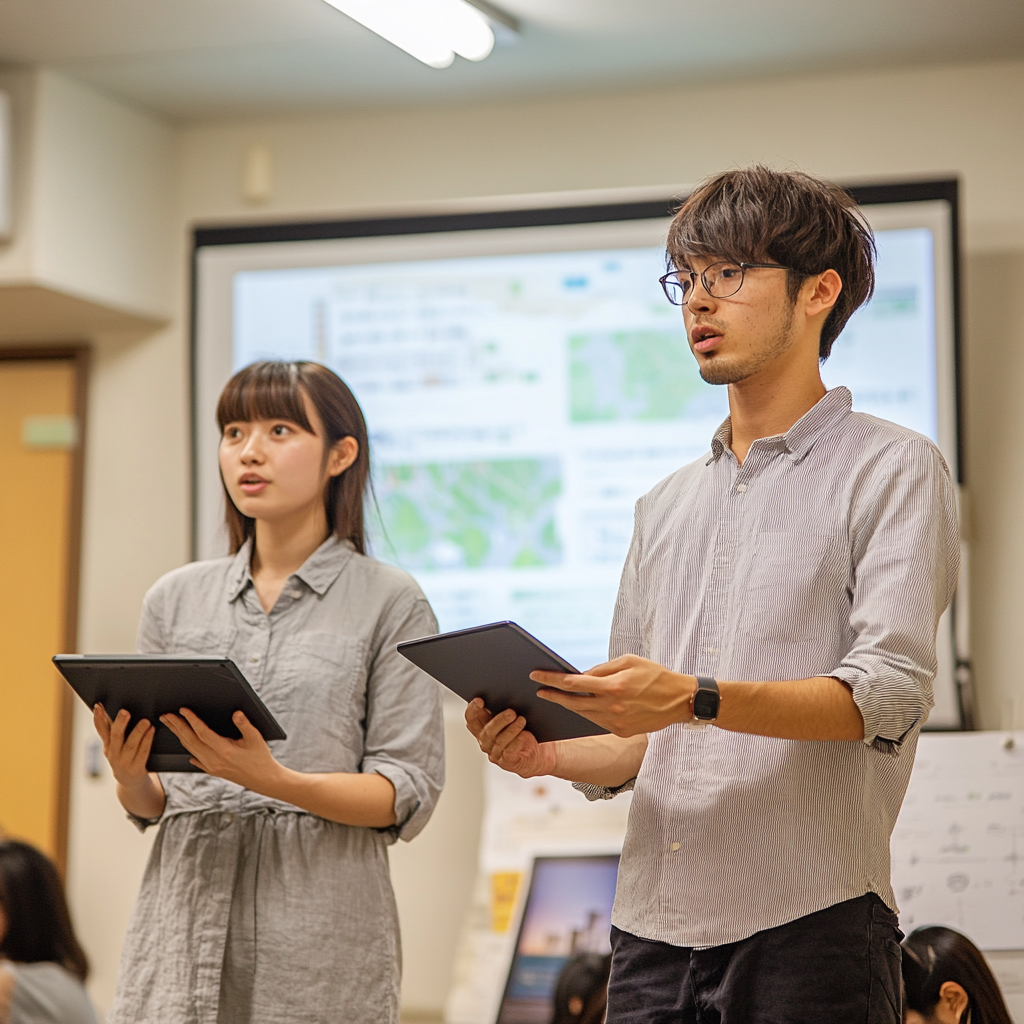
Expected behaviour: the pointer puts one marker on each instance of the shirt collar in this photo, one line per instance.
(318, 572)
(833, 406)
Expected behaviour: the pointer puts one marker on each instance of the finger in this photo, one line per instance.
(250, 734)
(184, 732)
(505, 738)
(609, 668)
(143, 746)
(573, 701)
(131, 745)
(563, 680)
(102, 723)
(477, 716)
(199, 727)
(579, 682)
(118, 726)
(493, 728)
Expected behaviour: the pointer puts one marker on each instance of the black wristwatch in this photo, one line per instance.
(706, 700)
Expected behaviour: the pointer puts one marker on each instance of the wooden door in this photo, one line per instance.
(41, 417)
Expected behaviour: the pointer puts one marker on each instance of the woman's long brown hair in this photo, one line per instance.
(275, 390)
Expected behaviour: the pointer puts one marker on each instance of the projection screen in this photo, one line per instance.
(524, 381)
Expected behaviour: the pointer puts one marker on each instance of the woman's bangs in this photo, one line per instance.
(264, 391)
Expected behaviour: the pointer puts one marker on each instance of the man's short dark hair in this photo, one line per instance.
(760, 215)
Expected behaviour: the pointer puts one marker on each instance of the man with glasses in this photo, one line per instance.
(773, 645)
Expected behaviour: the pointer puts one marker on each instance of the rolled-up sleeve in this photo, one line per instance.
(906, 558)
(404, 722)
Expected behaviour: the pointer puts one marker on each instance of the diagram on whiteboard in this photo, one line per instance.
(958, 845)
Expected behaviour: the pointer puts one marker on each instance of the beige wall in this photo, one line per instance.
(962, 120)
(96, 220)
(965, 120)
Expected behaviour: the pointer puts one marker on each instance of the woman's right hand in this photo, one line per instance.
(127, 755)
(505, 739)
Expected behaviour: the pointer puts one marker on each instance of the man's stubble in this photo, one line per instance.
(732, 370)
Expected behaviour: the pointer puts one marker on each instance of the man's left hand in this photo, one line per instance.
(628, 696)
(246, 761)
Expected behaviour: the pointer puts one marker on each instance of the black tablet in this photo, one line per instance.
(495, 662)
(151, 685)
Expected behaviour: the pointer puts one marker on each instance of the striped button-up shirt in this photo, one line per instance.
(831, 551)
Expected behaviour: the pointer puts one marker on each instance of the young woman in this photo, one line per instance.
(42, 966)
(946, 981)
(267, 895)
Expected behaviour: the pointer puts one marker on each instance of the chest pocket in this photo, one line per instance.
(797, 584)
(215, 642)
(321, 678)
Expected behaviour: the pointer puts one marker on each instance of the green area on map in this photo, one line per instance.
(630, 375)
(467, 515)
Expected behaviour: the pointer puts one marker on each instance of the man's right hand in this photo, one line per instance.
(507, 743)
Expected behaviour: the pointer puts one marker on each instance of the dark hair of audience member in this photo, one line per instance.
(934, 955)
(38, 923)
(581, 992)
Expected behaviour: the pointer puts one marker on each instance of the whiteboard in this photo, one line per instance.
(958, 845)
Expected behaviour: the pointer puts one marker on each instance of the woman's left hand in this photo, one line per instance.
(246, 761)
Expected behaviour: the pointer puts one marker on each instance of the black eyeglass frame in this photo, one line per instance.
(693, 275)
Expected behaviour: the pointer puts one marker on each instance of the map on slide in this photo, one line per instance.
(631, 375)
(455, 515)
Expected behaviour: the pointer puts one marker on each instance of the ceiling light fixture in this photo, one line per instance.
(433, 31)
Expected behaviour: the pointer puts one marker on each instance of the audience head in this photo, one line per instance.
(34, 921)
(581, 992)
(946, 981)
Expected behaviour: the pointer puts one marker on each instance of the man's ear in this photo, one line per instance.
(821, 292)
(342, 455)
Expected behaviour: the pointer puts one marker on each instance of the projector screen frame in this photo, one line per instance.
(566, 209)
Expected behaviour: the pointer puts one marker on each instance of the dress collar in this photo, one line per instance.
(833, 406)
(318, 572)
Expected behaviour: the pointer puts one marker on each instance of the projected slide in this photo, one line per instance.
(518, 405)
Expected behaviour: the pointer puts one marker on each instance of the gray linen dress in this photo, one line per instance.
(250, 909)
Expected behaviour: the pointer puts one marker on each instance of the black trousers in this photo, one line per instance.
(840, 965)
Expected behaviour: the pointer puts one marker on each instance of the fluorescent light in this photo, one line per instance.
(433, 31)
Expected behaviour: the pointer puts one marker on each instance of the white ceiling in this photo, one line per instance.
(202, 58)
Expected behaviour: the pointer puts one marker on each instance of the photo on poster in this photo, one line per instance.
(567, 915)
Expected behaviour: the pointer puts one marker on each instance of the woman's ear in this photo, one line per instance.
(342, 455)
(953, 1001)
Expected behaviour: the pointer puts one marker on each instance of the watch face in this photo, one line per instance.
(705, 704)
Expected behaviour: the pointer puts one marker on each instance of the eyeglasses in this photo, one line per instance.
(720, 280)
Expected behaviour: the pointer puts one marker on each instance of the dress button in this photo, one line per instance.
(674, 847)
(741, 488)
(254, 658)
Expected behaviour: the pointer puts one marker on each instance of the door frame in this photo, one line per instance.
(78, 355)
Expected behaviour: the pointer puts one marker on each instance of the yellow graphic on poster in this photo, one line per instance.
(504, 886)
